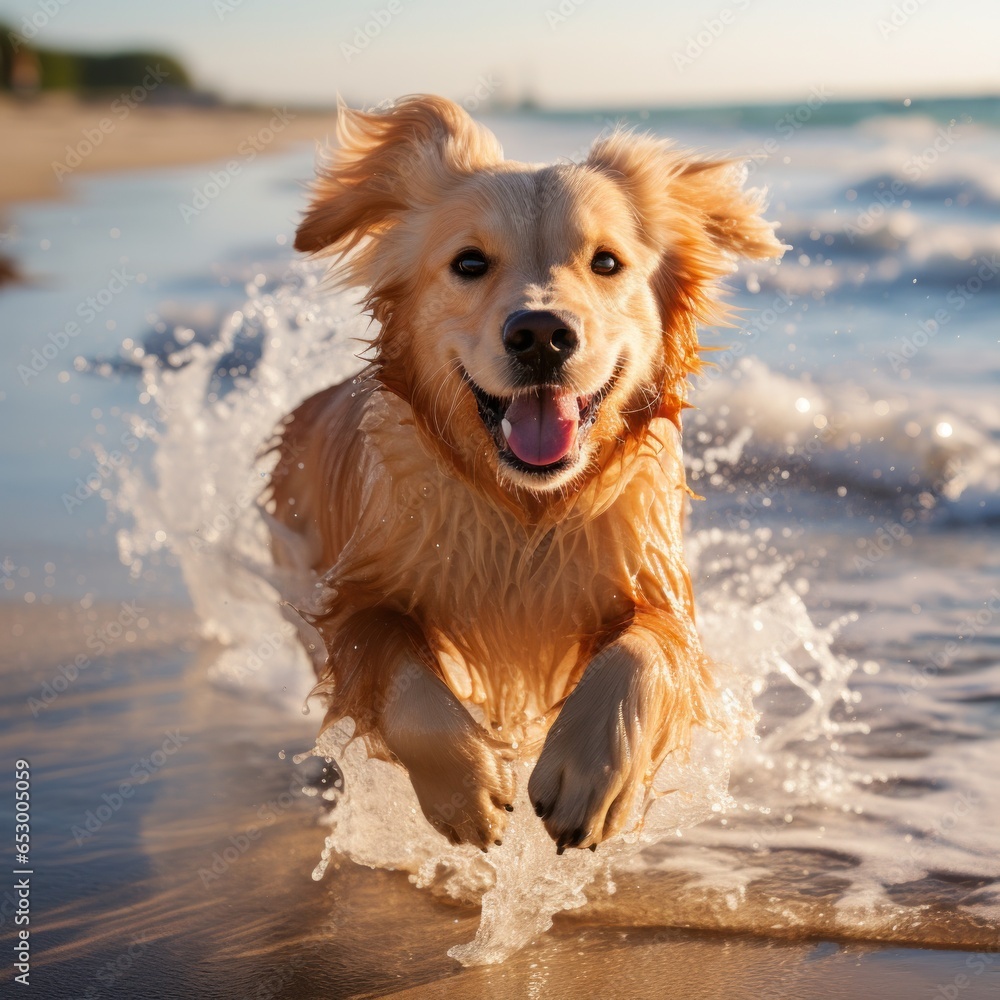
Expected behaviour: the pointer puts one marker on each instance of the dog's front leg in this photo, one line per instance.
(636, 701)
(384, 678)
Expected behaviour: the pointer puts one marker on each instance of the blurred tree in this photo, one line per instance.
(55, 69)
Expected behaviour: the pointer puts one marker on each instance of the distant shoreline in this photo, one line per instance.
(39, 132)
(48, 140)
(51, 137)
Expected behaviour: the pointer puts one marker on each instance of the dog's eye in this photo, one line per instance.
(604, 263)
(470, 264)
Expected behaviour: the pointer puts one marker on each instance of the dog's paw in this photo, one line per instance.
(462, 777)
(466, 790)
(596, 754)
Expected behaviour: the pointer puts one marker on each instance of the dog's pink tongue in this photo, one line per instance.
(543, 425)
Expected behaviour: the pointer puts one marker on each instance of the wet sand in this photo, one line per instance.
(197, 882)
(48, 140)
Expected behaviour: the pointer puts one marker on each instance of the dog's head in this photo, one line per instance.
(536, 318)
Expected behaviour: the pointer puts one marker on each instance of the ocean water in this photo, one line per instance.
(845, 553)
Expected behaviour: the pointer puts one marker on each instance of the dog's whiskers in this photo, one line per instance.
(650, 394)
(440, 426)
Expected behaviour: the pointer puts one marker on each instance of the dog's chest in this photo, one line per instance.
(451, 552)
(496, 587)
(464, 567)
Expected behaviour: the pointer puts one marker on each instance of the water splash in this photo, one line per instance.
(724, 823)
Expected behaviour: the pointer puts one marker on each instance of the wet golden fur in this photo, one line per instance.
(560, 605)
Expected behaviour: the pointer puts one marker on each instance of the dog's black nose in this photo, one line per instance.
(539, 339)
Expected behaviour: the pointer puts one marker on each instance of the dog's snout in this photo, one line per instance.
(539, 339)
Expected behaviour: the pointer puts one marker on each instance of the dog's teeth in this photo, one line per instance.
(506, 428)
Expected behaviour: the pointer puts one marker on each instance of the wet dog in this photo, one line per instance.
(493, 511)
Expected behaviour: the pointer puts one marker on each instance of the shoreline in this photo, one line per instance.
(53, 138)
(188, 847)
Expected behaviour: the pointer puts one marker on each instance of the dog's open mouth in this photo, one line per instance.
(539, 430)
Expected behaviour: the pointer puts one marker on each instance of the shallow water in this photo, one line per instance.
(199, 883)
(845, 556)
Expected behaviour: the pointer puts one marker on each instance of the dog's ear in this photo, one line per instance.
(698, 216)
(388, 162)
(695, 211)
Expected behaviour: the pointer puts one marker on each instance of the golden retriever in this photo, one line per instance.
(493, 511)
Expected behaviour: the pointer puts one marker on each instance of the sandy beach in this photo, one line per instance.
(46, 140)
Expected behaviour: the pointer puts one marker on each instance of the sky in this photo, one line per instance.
(562, 53)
